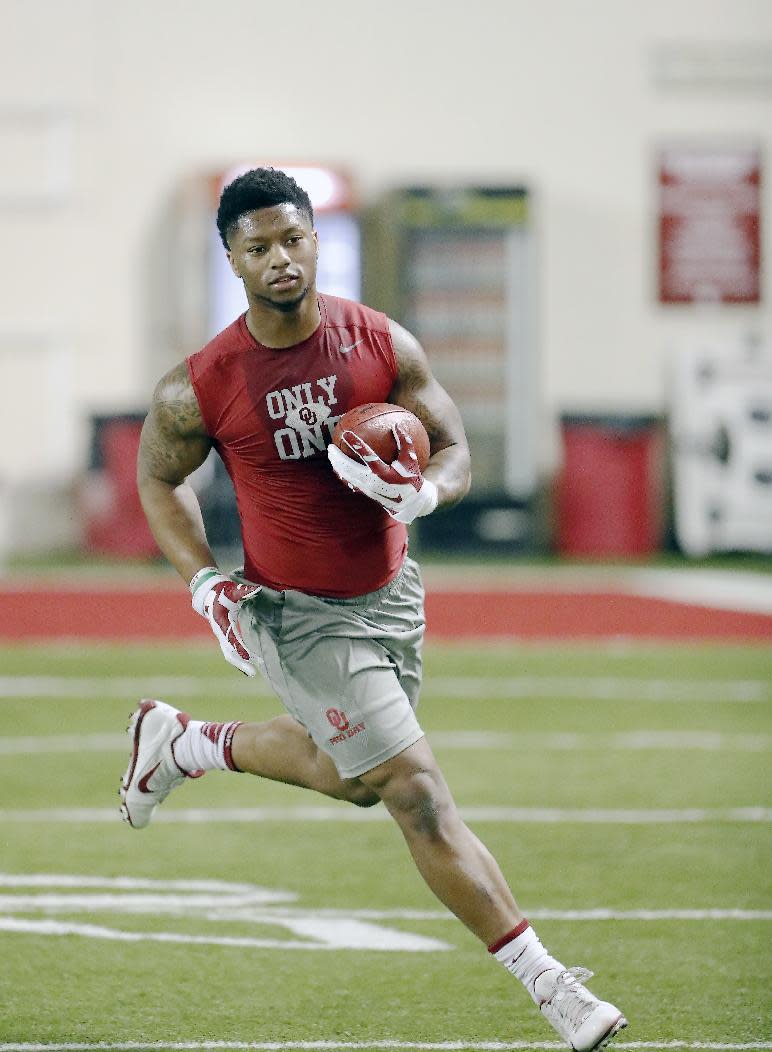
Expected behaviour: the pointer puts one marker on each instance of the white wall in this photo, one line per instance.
(106, 107)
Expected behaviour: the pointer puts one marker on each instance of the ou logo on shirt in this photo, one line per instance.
(338, 719)
(308, 431)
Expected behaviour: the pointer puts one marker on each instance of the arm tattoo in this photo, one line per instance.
(434, 424)
(177, 399)
(174, 441)
(417, 390)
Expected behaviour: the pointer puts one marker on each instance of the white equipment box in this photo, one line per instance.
(720, 418)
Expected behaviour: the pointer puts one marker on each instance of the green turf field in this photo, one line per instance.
(631, 780)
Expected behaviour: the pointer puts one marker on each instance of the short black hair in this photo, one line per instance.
(259, 188)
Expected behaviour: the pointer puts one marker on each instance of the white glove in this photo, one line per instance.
(218, 599)
(399, 487)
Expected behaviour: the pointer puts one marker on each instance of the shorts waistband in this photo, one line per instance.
(368, 598)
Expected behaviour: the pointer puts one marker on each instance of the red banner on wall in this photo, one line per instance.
(710, 225)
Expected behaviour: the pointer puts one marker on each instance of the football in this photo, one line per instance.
(373, 423)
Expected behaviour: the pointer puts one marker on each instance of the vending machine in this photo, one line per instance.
(456, 267)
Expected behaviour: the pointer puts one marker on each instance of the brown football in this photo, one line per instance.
(373, 423)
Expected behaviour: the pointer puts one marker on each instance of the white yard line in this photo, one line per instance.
(317, 934)
(593, 915)
(342, 813)
(228, 900)
(604, 688)
(536, 741)
(223, 900)
(215, 911)
(386, 1043)
(93, 931)
(598, 688)
(69, 880)
(748, 592)
(28, 745)
(89, 687)
(623, 741)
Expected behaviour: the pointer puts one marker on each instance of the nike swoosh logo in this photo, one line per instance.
(351, 346)
(142, 783)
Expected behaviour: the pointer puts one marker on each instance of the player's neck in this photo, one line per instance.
(277, 329)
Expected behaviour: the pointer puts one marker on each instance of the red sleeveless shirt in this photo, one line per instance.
(270, 413)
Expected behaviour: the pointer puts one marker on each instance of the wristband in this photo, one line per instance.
(198, 580)
(431, 497)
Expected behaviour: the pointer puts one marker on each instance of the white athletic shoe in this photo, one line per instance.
(152, 772)
(583, 1021)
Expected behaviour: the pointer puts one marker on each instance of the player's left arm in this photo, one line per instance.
(418, 390)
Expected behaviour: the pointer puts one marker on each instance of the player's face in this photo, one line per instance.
(273, 251)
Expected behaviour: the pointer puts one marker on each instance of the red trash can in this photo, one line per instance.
(113, 520)
(610, 494)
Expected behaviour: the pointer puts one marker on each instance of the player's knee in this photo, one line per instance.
(422, 806)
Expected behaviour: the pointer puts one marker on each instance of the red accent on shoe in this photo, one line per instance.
(502, 942)
(226, 751)
(142, 783)
(145, 706)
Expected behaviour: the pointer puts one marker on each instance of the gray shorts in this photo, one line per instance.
(348, 670)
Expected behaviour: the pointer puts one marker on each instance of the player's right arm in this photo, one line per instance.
(174, 443)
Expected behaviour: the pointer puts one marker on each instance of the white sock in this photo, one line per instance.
(522, 954)
(205, 746)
